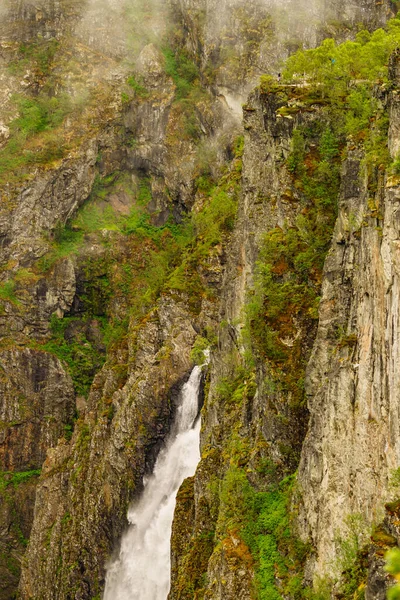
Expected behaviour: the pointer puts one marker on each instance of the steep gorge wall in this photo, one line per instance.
(88, 481)
(249, 427)
(352, 445)
(236, 42)
(351, 448)
(142, 139)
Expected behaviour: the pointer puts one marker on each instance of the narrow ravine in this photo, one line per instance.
(142, 570)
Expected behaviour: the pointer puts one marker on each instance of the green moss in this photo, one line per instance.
(16, 478)
(81, 356)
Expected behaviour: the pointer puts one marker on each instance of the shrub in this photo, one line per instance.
(137, 87)
(392, 558)
(183, 71)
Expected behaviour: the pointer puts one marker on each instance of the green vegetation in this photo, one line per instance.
(7, 292)
(339, 82)
(36, 121)
(16, 478)
(154, 259)
(344, 75)
(197, 355)
(81, 355)
(34, 136)
(262, 520)
(352, 558)
(39, 56)
(41, 113)
(394, 481)
(182, 69)
(291, 260)
(98, 215)
(138, 88)
(189, 92)
(393, 567)
(210, 225)
(234, 390)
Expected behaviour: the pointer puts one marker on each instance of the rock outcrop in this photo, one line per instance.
(352, 445)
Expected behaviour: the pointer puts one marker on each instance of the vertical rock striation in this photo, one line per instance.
(352, 384)
(147, 132)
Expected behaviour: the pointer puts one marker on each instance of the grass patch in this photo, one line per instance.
(7, 292)
(32, 137)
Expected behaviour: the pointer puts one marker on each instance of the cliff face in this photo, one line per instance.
(352, 445)
(249, 40)
(108, 141)
(349, 453)
(246, 428)
(123, 140)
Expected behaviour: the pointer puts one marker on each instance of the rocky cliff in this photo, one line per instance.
(137, 227)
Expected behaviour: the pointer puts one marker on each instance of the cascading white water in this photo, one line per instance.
(142, 570)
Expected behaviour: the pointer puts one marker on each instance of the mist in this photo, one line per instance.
(121, 28)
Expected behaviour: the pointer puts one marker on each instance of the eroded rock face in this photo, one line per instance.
(36, 400)
(87, 482)
(239, 42)
(85, 488)
(352, 383)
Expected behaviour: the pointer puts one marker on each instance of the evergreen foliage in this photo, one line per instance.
(182, 69)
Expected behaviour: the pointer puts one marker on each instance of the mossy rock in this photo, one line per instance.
(381, 537)
(393, 507)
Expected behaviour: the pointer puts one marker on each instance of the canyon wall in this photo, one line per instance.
(97, 336)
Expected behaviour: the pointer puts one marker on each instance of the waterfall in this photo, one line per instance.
(142, 570)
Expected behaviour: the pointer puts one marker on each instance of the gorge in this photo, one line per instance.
(142, 569)
(184, 175)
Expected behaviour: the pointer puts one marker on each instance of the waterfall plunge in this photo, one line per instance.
(142, 570)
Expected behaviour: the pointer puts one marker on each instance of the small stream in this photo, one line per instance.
(142, 570)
